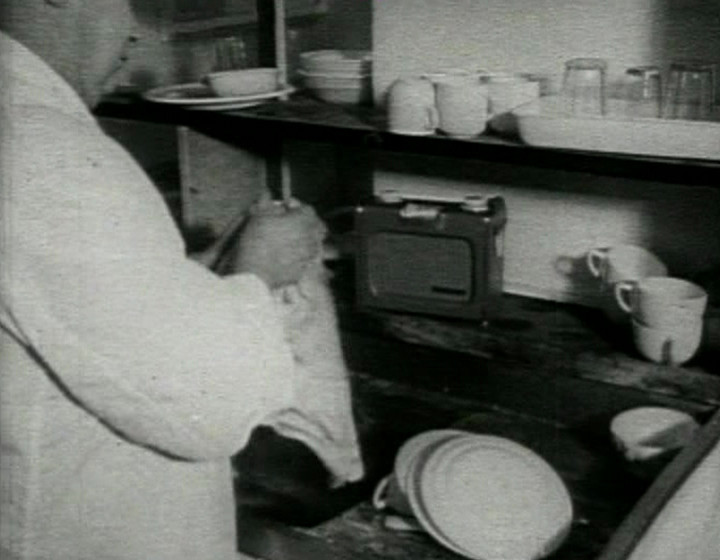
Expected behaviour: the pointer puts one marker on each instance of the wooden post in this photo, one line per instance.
(272, 52)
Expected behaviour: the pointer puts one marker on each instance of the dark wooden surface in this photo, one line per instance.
(548, 376)
(603, 490)
(304, 118)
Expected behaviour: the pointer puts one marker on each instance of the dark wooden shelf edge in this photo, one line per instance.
(302, 118)
(553, 347)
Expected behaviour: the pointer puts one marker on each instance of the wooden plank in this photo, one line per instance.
(267, 45)
(553, 340)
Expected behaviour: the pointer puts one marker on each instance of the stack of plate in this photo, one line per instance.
(337, 76)
(484, 497)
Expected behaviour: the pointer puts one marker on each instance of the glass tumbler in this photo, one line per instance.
(643, 91)
(690, 92)
(584, 86)
(230, 54)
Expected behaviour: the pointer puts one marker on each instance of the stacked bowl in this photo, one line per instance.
(337, 76)
(481, 496)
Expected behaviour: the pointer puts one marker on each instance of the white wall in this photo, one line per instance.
(416, 36)
(555, 217)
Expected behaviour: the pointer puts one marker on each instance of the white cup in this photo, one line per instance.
(623, 262)
(463, 106)
(389, 496)
(662, 301)
(669, 344)
(411, 107)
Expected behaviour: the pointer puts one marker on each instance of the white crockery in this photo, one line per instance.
(494, 499)
(392, 492)
(413, 447)
(645, 432)
(662, 301)
(463, 107)
(336, 61)
(670, 343)
(338, 88)
(411, 107)
(247, 81)
(624, 262)
(387, 495)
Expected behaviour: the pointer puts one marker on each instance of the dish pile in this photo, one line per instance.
(337, 76)
(483, 497)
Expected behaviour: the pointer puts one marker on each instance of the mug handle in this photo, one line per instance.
(433, 118)
(379, 497)
(595, 257)
(623, 289)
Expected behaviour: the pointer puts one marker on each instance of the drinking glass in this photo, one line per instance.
(643, 91)
(690, 91)
(584, 86)
(230, 54)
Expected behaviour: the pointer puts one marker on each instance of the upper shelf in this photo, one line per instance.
(302, 118)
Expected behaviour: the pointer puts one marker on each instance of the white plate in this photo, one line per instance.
(409, 451)
(415, 494)
(544, 123)
(495, 498)
(200, 96)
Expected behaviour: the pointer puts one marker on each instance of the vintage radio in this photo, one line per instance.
(431, 256)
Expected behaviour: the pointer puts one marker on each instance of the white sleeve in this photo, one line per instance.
(160, 349)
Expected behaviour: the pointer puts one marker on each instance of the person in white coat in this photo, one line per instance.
(129, 374)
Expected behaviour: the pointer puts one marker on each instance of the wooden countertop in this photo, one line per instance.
(546, 375)
(612, 508)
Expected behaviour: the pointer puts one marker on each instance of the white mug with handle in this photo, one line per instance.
(624, 262)
(411, 107)
(661, 301)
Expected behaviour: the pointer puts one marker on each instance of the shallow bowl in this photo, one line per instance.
(246, 81)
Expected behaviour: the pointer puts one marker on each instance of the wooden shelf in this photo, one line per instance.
(303, 118)
(535, 356)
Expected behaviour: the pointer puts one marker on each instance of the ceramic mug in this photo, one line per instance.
(463, 106)
(662, 301)
(389, 496)
(411, 107)
(670, 343)
(624, 262)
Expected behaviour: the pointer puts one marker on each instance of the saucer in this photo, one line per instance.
(199, 96)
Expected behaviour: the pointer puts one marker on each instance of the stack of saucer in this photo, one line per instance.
(483, 497)
(337, 76)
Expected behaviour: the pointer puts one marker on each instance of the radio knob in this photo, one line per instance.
(475, 203)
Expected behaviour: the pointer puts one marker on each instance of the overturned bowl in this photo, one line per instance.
(649, 437)
(242, 82)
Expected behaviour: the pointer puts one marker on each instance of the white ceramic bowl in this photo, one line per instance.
(644, 432)
(336, 61)
(242, 82)
(649, 437)
(338, 88)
